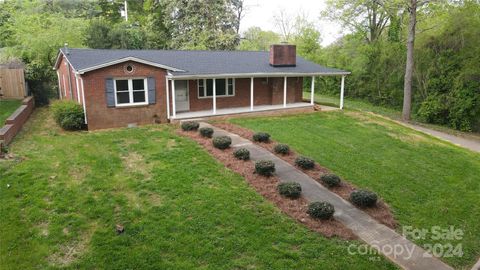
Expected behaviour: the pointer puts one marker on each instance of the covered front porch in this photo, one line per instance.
(283, 98)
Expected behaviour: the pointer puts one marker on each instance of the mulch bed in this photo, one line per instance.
(380, 213)
(267, 187)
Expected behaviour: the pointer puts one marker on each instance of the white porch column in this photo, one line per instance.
(214, 97)
(312, 91)
(251, 94)
(342, 89)
(285, 91)
(167, 92)
(174, 110)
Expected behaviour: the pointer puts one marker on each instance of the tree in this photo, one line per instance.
(368, 17)
(407, 88)
(255, 39)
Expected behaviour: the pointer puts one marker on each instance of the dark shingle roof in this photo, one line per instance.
(195, 63)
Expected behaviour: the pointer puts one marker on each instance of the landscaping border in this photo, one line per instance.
(267, 187)
(16, 120)
(381, 213)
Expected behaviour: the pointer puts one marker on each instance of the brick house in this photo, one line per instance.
(132, 87)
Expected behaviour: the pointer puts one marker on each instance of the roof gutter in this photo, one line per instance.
(249, 75)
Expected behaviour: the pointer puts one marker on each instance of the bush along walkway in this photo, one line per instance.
(394, 246)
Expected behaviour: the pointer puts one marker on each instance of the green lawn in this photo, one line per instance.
(181, 209)
(396, 114)
(426, 181)
(7, 107)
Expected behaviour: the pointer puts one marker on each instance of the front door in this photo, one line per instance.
(181, 96)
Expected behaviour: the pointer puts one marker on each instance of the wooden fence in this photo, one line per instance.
(12, 83)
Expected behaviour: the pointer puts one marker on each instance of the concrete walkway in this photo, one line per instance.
(462, 142)
(373, 233)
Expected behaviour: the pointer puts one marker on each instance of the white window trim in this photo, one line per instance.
(130, 92)
(217, 95)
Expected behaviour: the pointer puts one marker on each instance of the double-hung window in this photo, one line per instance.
(131, 92)
(223, 87)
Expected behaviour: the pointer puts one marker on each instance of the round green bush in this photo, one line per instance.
(222, 142)
(68, 114)
(290, 189)
(190, 125)
(305, 163)
(281, 149)
(242, 154)
(330, 180)
(206, 132)
(261, 137)
(321, 210)
(265, 167)
(363, 198)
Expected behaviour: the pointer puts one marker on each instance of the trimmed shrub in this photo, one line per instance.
(290, 189)
(222, 142)
(190, 125)
(305, 163)
(265, 167)
(68, 114)
(261, 137)
(363, 198)
(321, 210)
(330, 180)
(206, 132)
(242, 154)
(281, 149)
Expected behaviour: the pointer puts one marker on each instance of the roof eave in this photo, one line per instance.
(125, 59)
(248, 75)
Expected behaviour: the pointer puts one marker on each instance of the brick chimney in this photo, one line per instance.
(283, 55)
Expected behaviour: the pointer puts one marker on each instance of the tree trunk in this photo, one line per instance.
(407, 86)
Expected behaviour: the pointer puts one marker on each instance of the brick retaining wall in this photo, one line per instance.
(15, 122)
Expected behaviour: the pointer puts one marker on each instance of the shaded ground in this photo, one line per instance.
(180, 208)
(426, 181)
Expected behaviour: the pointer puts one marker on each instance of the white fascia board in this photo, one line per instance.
(248, 75)
(122, 60)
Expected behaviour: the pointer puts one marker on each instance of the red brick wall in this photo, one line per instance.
(14, 122)
(266, 92)
(100, 116)
(63, 70)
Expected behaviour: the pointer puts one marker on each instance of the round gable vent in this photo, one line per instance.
(129, 68)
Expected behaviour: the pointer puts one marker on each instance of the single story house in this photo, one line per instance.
(131, 87)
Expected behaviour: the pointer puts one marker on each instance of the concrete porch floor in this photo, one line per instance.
(239, 110)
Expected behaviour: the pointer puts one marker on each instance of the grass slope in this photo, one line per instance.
(427, 182)
(180, 208)
(7, 107)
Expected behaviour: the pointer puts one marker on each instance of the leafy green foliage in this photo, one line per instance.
(330, 180)
(305, 162)
(222, 142)
(265, 167)
(242, 154)
(321, 210)
(281, 148)
(291, 190)
(255, 39)
(206, 132)
(68, 114)
(190, 125)
(261, 137)
(363, 198)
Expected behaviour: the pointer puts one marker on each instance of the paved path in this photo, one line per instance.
(366, 228)
(471, 144)
(476, 266)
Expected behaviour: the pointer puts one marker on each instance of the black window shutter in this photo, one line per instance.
(151, 90)
(110, 92)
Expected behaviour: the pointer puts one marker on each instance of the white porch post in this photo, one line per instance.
(214, 97)
(174, 110)
(285, 91)
(167, 92)
(251, 94)
(342, 89)
(312, 90)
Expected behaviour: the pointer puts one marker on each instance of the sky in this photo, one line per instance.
(260, 13)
